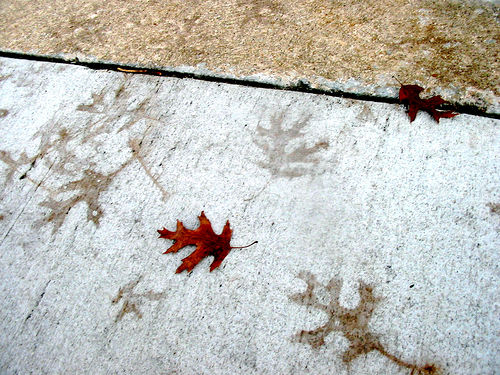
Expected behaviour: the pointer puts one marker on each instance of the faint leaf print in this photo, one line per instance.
(261, 11)
(132, 300)
(96, 106)
(86, 189)
(275, 143)
(187, 27)
(70, 171)
(124, 108)
(352, 323)
(494, 207)
(136, 146)
(13, 165)
(48, 144)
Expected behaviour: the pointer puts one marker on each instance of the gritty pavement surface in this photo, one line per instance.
(378, 238)
(450, 47)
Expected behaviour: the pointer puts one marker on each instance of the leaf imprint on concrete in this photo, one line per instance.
(261, 11)
(86, 189)
(14, 164)
(125, 108)
(57, 154)
(494, 208)
(132, 300)
(276, 142)
(352, 323)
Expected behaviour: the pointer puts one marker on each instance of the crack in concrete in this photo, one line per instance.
(37, 185)
(37, 303)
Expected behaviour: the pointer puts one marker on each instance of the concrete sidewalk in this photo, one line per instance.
(378, 239)
(449, 47)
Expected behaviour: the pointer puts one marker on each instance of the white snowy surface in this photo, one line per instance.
(92, 163)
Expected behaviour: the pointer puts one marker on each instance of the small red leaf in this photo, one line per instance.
(410, 95)
(408, 92)
(204, 238)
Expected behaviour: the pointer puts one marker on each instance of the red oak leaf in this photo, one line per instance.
(206, 241)
(410, 94)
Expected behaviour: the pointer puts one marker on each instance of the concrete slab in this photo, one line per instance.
(378, 239)
(449, 47)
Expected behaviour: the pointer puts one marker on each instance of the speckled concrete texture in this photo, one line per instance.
(378, 239)
(450, 47)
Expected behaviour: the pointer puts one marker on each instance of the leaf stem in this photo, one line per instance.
(397, 80)
(242, 247)
(415, 369)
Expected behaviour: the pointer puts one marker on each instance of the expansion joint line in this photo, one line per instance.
(299, 86)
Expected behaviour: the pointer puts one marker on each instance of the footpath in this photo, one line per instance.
(377, 237)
